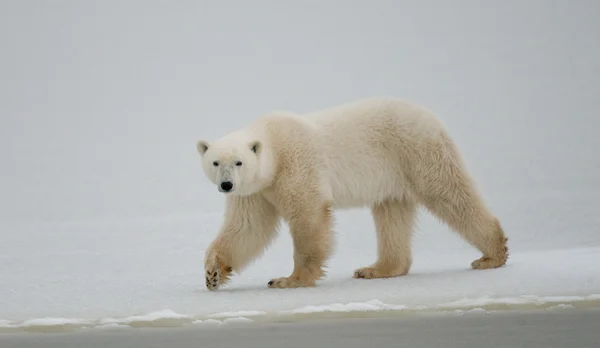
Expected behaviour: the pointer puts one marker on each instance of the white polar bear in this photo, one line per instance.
(382, 153)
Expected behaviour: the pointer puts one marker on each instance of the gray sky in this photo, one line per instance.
(101, 102)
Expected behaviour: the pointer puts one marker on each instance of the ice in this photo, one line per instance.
(208, 322)
(560, 306)
(373, 305)
(237, 314)
(163, 314)
(52, 322)
(236, 320)
(105, 213)
(112, 326)
(154, 272)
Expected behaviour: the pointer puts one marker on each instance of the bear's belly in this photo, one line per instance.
(363, 187)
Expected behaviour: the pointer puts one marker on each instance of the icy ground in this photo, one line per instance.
(122, 272)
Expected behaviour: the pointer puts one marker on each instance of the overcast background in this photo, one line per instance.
(102, 102)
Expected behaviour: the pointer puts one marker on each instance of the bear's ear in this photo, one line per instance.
(255, 146)
(202, 146)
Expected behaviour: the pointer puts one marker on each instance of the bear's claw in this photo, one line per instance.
(212, 280)
(216, 274)
(365, 273)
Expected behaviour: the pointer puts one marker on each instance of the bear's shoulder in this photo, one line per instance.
(282, 123)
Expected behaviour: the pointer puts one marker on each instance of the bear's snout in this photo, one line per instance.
(226, 186)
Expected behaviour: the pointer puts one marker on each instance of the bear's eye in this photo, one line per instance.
(215, 163)
(238, 163)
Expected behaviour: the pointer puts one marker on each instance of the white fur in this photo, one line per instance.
(382, 153)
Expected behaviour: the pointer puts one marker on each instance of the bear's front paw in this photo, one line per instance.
(286, 283)
(217, 273)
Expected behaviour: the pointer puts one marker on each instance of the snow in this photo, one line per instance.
(154, 276)
(105, 214)
(52, 322)
(162, 314)
(373, 305)
(237, 314)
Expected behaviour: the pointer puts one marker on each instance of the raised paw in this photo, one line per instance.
(378, 272)
(286, 283)
(217, 274)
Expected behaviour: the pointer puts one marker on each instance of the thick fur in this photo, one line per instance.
(386, 154)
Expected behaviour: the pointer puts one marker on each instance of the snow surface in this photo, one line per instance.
(98, 274)
(104, 211)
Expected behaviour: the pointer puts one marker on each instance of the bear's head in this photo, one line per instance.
(232, 164)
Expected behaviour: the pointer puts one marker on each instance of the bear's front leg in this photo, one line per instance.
(251, 223)
(312, 235)
(218, 270)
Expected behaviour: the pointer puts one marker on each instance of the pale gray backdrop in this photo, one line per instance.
(101, 102)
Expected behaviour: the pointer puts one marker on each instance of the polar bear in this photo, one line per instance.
(382, 153)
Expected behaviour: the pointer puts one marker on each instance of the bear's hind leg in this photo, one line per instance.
(498, 254)
(394, 223)
(448, 191)
(477, 226)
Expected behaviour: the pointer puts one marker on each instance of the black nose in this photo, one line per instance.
(226, 186)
